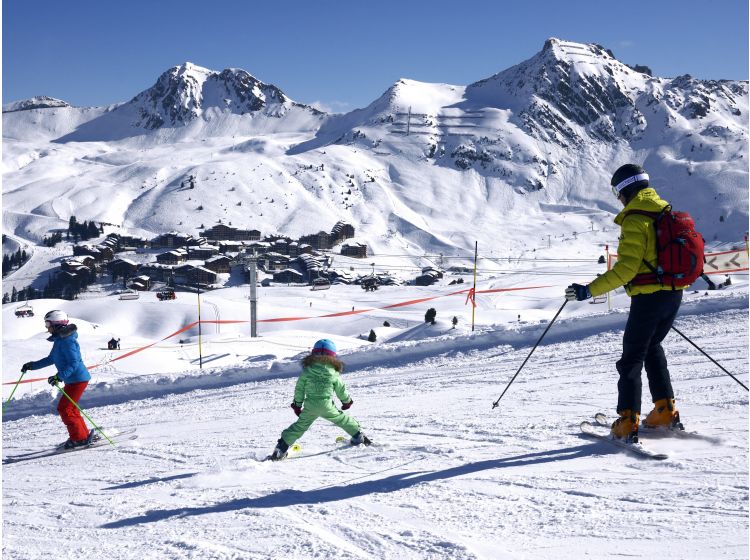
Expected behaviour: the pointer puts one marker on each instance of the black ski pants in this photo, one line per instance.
(651, 317)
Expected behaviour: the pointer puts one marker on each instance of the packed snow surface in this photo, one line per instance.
(448, 477)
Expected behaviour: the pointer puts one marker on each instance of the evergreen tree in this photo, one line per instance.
(6, 298)
(14, 294)
(72, 224)
(373, 337)
(429, 317)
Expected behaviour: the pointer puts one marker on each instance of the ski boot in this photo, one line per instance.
(280, 451)
(70, 444)
(360, 438)
(664, 415)
(625, 428)
(93, 436)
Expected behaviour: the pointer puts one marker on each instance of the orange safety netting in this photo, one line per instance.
(470, 291)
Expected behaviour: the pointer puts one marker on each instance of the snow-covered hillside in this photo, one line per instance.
(426, 168)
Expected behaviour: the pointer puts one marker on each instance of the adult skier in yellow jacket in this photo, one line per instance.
(653, 307)
(319, 382)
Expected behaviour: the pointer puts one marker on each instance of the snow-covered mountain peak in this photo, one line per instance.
(421, 97)
(185, 92)
(38, 102)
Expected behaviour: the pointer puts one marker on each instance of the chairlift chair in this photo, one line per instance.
(24, 310)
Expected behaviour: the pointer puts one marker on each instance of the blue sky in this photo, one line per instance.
(344, 54)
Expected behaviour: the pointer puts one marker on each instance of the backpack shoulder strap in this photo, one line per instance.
(652, 215)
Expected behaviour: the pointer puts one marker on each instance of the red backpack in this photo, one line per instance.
(679, 250)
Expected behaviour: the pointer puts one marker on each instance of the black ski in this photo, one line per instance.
(117, 437)
(602, 420)
(589, 430)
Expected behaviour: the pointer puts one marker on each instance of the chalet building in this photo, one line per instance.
(200, 275)
(281, 246)
(231, 246)
(76, 263)
(172, 257)
(181, 273)
(142, 283)
(269, 262)
(257, 246)
(296, 249)
(158, 272)
(100, 253)
(356, 250)
(342, 231)
(67, 281)
(173, 239)
(289, 276)
(133, 241)
(318, 241)
(220, 264)
(107, 253)
(202, 252)
(123, 268)
(310, 264)
(110, 242)
(229, 233)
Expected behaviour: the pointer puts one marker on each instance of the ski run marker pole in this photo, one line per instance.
(14, 390)
(710, 358)
(494, 405)
(82, 412)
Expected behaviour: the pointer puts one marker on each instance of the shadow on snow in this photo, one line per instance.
(343, 491)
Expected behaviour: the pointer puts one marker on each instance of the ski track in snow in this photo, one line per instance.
(449, 478)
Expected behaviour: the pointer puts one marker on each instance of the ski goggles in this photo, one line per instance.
(617, 189)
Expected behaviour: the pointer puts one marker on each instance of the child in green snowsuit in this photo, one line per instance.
(320, 380)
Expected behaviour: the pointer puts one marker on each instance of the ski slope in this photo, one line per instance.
(449, 477)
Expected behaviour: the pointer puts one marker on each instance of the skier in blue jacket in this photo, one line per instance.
(66, 357)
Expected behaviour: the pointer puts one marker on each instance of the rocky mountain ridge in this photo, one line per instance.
(541, 138)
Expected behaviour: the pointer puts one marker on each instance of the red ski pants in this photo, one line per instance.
(70, 415)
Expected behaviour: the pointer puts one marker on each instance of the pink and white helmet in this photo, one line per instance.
(56, 318)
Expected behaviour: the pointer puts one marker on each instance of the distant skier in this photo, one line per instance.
(66, 357)
(653, 307)
(319, 381)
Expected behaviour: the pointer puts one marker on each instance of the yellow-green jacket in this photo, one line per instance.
(637, 243)
(319, 381)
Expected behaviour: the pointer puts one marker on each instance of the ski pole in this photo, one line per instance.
(494, 405)
(14, 390)
(82, 412)
(710, 358)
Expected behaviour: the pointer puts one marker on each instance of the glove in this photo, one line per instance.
(577, 292)
(347, 406)
(26, 367)
(296, 408)
(53, 380)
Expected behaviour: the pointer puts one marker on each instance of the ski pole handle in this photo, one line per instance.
(86, 415)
